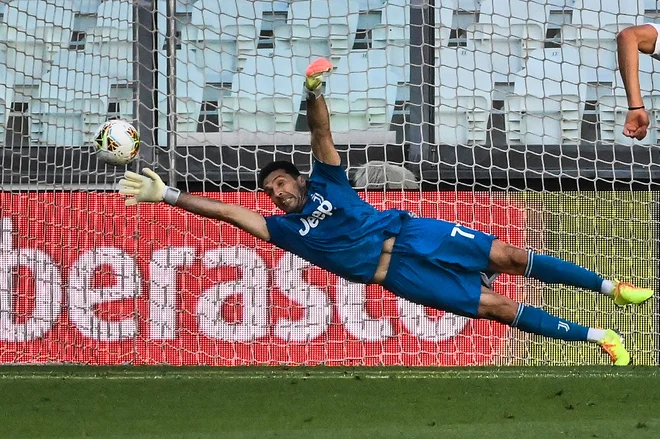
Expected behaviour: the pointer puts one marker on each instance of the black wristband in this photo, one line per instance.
(636, 108)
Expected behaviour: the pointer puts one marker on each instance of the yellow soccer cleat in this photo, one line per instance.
(314, 74)
(612, 344)
(626, 294)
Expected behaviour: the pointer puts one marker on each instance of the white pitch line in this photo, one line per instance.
(329, 375)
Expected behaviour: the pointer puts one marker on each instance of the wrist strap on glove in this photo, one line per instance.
(313, 94)
(171, 195)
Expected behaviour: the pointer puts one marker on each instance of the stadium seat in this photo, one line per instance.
(444, 21)
(227, 34)
(31, 32)
(73, 100)
(361, 92)
(463, 96)
(548, 100)
(221, 39)
(595, 23)
(189, 88)
(509, 31)
(393, 34)
(318, 28)
(612, 109)
(112, 37)
(266, 95)
(599, 64)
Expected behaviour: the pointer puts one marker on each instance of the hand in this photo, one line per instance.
(637, 121)
(148, 187)
(315, 73)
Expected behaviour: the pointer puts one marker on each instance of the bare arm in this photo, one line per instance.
(630, 42)
(318, 120)
(245, 219)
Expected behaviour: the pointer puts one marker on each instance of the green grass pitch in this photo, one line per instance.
(155, 402)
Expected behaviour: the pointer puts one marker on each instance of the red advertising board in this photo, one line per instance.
(84, 279)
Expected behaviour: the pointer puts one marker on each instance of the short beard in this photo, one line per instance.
(303, 198)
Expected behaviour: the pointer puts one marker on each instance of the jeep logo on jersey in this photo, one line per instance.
(324, 209)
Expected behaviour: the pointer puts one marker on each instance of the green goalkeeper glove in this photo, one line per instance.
(314, 77)
(146, 188)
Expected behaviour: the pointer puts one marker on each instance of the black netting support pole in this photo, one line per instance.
(420, 133)
(144, 73)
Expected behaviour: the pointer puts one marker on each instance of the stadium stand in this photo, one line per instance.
(32, 31)
(545, 108)
(362, 92)
(266, 94)
(74, 93)
(463, 96)
(226, 34)
(393, 34)
(507, 67)
(508, 31)
(317, 28)
(189, 89)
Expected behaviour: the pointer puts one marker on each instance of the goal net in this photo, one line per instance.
(502, 115)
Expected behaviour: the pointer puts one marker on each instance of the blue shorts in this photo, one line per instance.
(437, 263)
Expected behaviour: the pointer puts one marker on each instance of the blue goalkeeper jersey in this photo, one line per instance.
(337, 230)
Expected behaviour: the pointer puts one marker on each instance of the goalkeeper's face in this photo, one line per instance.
(287, 192)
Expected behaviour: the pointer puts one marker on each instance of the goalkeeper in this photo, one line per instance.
(427, 261)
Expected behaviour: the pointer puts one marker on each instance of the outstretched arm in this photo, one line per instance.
(318, 117)
(630, 42)
(245, 219)
(150, 188)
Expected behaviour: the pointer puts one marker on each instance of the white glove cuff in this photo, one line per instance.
(171, 195)
(313, 94)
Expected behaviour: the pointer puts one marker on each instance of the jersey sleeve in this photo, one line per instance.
(335, 174)
(274, 229)
(656, 50)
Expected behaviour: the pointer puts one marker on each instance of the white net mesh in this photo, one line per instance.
(505, 115)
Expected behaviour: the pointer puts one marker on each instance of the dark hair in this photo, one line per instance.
(271, 167)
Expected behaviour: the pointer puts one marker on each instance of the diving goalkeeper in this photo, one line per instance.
(427, 261)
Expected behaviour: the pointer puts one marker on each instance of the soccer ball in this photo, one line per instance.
(117, 142)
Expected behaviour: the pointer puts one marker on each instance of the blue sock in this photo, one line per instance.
(538, 321)
(553, 270)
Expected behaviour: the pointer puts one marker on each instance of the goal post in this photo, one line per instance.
(502, 115)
